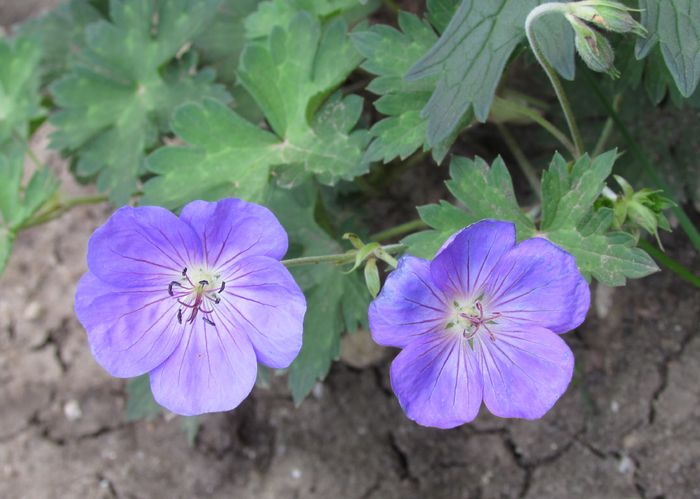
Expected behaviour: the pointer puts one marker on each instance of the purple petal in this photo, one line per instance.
(142, 246)
(231, 229)
(130, 330)
(262, 299)
(539, 283)
(524, 372)
(437, 381)
(408, 306)
(464, 262)
(213, 369)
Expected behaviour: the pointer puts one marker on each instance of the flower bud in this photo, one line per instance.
(594, 48)
(609, 15)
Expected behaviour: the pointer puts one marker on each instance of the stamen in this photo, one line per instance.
(208, 321)
(223, 285)
(179, 315)
(204, 282)
(170, 287)
(184, 272)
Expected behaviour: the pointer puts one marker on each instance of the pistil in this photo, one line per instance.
(205, 289)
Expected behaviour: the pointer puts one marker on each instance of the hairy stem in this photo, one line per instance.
(549, 8)
(634, 148)
(59, 209)
(670, 263)
(607, 128)
(536, 117)
(399, 230)
(521, 158)
(338, 259)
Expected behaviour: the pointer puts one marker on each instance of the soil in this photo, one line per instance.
(626, 428)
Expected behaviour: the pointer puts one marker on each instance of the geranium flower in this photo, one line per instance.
(195, 301)
(481, 321)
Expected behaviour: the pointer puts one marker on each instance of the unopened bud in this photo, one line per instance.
(594, 48)
(606, 14)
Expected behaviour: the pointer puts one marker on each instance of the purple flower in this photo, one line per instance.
(195, 301)
(481, 322)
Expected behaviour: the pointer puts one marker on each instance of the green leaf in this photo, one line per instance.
(336, 302)
(62, 35)
(221, 43)
(568, 219)
(290, 76)
(116, 102)
(486, 192)
(468, 60)
(440, 12)
(140, 403)
(17, 207)
(6, 240)
(19, 86)
(389, 54)
(675, 26)
(280, 13)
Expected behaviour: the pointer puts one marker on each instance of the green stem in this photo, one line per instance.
(643, 160)
(521, 158)
(670, 263)
(540, 120)
(534, 14)
(399, 230)
(30, 153)
(59, 209)
(607, 128)
(338, 259)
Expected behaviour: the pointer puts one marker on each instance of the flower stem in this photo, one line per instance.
(607, 128)
(642, 159)
(548, 8)
(338, 259)
(540, 120)
(59, 209)
(521, 158)
(670, 263)
(34, 159)
(399, 230)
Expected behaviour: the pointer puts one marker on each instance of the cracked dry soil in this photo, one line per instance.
(626, 428)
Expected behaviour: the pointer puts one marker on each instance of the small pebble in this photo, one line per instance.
(72, 410)
(32, 311)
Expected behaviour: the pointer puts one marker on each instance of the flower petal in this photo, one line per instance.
(408, 306)
(524, 372)
(141, 246)
(437, 381)
(464, 262)
(213, 369)
(232, 229)
(262, 299)
(539, 283)
(131, 331)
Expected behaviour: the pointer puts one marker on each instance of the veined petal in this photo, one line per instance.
(262, 299)
(141, 246)
(231, 229)
(408, 306)
(539, 283)
(525, 371)
(131, 331)
(213, 369)
(465, 261)
(437, 381)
